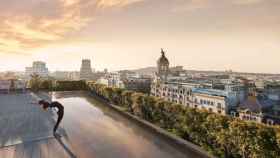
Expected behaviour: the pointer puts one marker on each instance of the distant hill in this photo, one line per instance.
(146, 70)
(151, 70)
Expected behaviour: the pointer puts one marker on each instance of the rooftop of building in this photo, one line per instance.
(258, 104)
(213, 92)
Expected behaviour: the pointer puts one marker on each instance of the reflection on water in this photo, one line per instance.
(95, 129)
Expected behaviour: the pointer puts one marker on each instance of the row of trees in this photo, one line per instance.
(221, 136)
(70, 85)
(37, 83)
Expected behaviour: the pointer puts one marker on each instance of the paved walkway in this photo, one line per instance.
(89, 129)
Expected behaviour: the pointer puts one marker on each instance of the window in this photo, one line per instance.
(210, 109)
(219, 111)
(195, 106)
(201, 101)
(233, 113)
(270, 122)
(219, 105)
(212, 103)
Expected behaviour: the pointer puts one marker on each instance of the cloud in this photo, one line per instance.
(194, 5)
(113, 3)
(189, 5)
(30, 24)
(246, 2)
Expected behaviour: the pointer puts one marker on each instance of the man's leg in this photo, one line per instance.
(60, 116)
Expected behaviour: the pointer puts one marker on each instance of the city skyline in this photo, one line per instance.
(121, 34)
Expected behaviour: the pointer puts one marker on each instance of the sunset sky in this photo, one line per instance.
(242, 35)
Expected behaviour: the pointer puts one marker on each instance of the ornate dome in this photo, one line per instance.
(163, 60)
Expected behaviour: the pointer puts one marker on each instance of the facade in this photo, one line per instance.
(99, 74)
(86, 70)
(6, 86)
(211, 103)
(18, 85)
(74, 75)
(251, 88)
(119, 80)
(173, 91)
(195, 96)
(249, 98)
(218, 94)
(39, 68)
(28, 71)
(66, 75)
(260, 109)
(272, 91)
(60, 75)
(218, 101)
(111, 80)
(260, 84)
(138, 84)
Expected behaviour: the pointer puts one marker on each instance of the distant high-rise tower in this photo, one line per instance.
(39, 68)
(86, 71)
(162, 66)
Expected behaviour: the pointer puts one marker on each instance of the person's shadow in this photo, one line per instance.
(65, 147)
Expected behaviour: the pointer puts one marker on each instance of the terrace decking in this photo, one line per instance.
(46, 148)
(25, 130)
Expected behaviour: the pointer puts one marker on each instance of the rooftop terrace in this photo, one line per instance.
(89, 129)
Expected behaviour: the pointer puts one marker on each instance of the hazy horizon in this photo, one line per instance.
(242, 35)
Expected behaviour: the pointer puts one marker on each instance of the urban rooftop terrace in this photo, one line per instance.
(89, 129)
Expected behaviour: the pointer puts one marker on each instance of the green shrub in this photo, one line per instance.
(70, 85)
